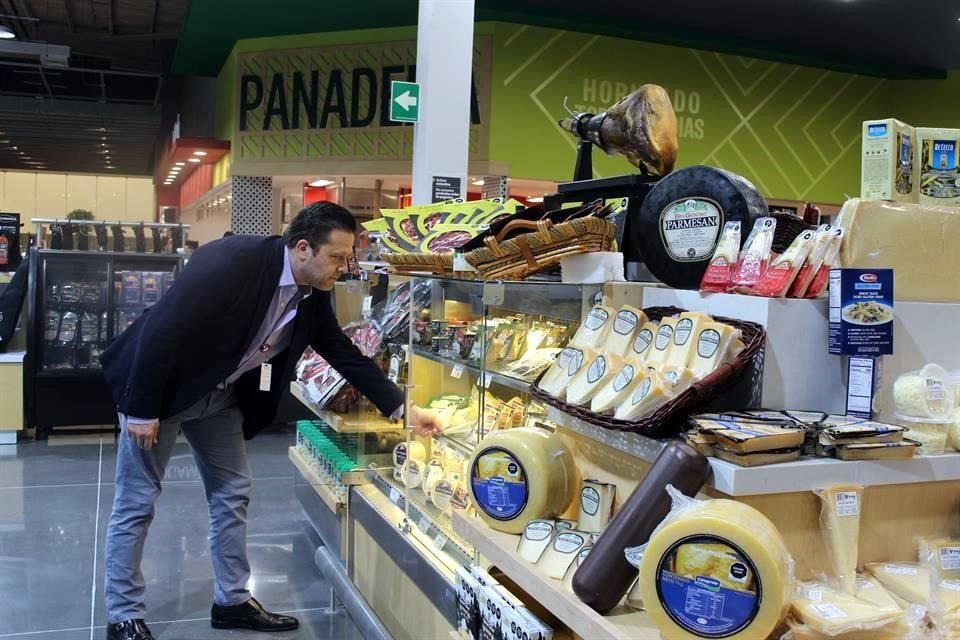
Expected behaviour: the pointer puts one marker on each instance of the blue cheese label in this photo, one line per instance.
(623, 378)
(499, 484)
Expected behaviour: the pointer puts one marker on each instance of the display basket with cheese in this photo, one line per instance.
(677, 363)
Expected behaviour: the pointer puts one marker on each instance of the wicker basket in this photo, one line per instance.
(420, 262)
(667, 420)
(542, 248)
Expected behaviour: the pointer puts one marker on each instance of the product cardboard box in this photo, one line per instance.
(887, 161)
(936, 166)
(917, 241)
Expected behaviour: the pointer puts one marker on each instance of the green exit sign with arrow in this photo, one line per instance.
(404, 101)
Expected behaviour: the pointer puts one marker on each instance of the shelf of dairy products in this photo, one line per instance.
(805, 474)
(500, 549)
(425, 518)
(354, 422)
(492, 376)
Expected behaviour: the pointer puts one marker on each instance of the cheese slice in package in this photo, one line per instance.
(643, 343)
(649, 392)
(784, 268)
(597, 371)
(870, 590)
(905, 580)
(811, 265)
(711, 347)
(833, 613)
(623, 330)
(662, 343)
(536, 537)
(562, 551)
(680, 378)
(576, 363)
(616, 390)
(685, 335)
(840, 524)
(593, 332)
(719, 274)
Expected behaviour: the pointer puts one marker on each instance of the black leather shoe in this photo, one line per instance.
(250, 615)
(129, 630)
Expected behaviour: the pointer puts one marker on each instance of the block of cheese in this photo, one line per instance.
(942, 558)
(562, 551)
(596, 505)
(685, 338)
(905, 580)
(626, 323)
(662, 343)
(554, 381)
(520, 475)
(832, 613)
(716, 551)
(536, 536)
(616, 391)
(592, 377)
(593, 332)
(870, 590)
(572, 569)
(711, 347)
(643, 343)
(680, 378)
(649, 392)
(840, 507)
(577, 362)
(889, 235)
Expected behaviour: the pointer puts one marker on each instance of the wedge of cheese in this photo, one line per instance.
(840, 525)
(711, 347)
(870, 590)
(648, 393)
(906, 580)
(942, 557)
(593, 332)
(643, 343)
(685, 338)
(562, 552)
(662, 343)
(592, 377)
(557, 373)
(623, 330)
(576, 363)
(680, 378)
(616, 391)
(536, 537)
(832, 613)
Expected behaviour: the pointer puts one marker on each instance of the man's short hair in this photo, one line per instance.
(315, 222)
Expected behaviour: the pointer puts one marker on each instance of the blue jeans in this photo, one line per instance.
(214, 429)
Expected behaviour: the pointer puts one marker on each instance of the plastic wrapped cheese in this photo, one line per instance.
(715, 569)
(536, 537)
(685, 335)
(928, 393)
(520, 475)
(572, 569)
(953, 432)
(616, 391)
(643, 343)
(623, 330)
(840, 524)
(942, 560)
(679, 378)
(870, 590)
(648, 393)
(831, 613)
(562, 552)
(592, 377)
(662, 343)
(564, 370)
(712, 347)
(593, 332)
(908, 581)
(596, 505)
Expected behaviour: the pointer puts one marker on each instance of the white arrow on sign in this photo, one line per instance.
(406, 100)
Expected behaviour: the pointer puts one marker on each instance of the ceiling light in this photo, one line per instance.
(6, 33)
(321, 183)
(199, 153)
(194, 160)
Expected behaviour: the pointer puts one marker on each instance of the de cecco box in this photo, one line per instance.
(861, 312)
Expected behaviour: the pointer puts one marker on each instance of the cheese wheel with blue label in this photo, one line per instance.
(719, 569)
(519, 475)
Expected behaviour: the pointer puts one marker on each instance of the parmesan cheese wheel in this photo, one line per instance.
(520, 475)
(720, 569)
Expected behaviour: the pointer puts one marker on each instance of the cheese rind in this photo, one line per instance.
(592, 377)
(840, 525)
(627, 321)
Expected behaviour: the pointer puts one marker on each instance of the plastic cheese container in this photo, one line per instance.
(928, 393)
(520, 475)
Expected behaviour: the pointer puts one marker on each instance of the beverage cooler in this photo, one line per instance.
(79, 301)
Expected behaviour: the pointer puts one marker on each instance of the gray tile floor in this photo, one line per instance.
(55, 500)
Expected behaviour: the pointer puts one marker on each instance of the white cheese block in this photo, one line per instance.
(711, 347)
(563, 550)
(555, 379)
(679, 379)
(716, 551)
(662, 343)
(643, 343)
(648, 393)
(591, 378)
(577, 362)
(870, 590)
(616, 391)
(832, 613)
(626, 323)
(685, 338)
(593, 332)
(536, 536)
(596, 505)
(905, 580)
(520, 475)
(840, 524)
(572, 569)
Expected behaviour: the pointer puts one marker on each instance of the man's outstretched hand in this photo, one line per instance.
(424, 422)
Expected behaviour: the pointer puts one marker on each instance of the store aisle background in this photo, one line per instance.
(55, 500)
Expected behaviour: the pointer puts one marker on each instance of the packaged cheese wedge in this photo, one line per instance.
(593, 332)
(536, 537)
(813, 262)
(831, 613)
(840, 525)
(577, 362)
(832, 260)
(562, 552)
(650, 391)
(719, 274)
(755, 255)
(572, 569)
(905, 580)
(624, 329)
(870, 590)
(685, 338)
(643, 343)
(557, 373)
(598, 370)
(751, 437)
(711, 347)
(680, 378)
(784, 268)
(662, 343)
(616, 391)
(892, 631)
(942, 559)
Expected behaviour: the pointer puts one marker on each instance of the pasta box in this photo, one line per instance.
(861, 312)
